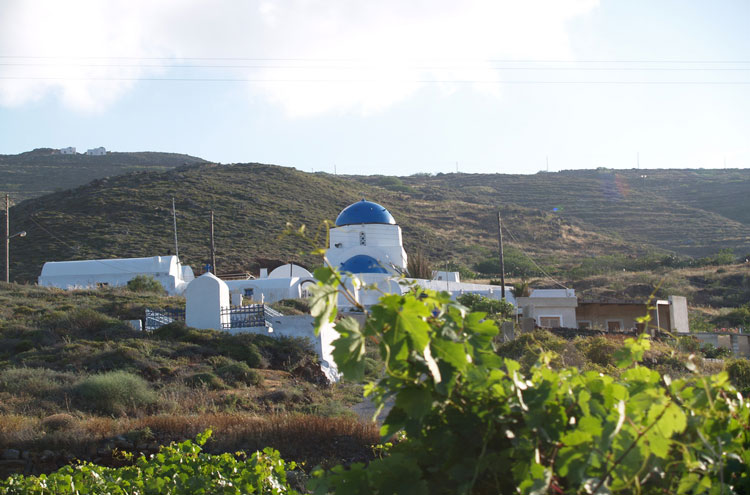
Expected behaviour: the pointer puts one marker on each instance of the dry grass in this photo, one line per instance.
(299, 437)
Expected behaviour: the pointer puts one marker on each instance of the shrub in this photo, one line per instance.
(171, 331)
(527, 348)
(116, 392)
(688, 343)
(207, 380)
(38, 382)
(598, 350)
(292, 306)
(242, 348)
(478, 302)
(145, 283)
(57, 422)
(739, 373)
(418, 266)
(712, 352)
(139, 435)
(239, 374)
(81, 320)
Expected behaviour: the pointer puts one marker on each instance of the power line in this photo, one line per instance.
(364, 67)
(328, 81)
(75, 249)
(352, 59)
(532, 259)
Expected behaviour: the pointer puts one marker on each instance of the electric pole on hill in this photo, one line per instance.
(213, 248)
(7, 240)
(502, 259)
(174, 221)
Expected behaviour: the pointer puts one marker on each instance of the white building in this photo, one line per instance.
(97, 151)
(550, 308)
(116, 272)
(68, 151)
(285, 282)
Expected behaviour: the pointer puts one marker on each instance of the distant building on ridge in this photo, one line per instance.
(70, 150)
(100, 151)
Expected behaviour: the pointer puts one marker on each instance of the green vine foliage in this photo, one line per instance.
(474, 424)
(177, 469)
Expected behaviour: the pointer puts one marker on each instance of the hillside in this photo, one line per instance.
(691, 212)
(44, 170)
(130, 215)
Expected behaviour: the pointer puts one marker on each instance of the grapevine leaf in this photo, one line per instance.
(349, 349)
(415, 401)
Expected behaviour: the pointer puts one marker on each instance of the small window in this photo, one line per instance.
(614, 325)
(584, 325)
(248, 292)
(549, 322)
(362, 239)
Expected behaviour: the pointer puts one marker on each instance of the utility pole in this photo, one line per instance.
(7, 240)
(213, 248)
(502, 259)
(8, 237)
(174, 219)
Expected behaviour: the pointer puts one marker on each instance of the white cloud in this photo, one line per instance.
(350, 56)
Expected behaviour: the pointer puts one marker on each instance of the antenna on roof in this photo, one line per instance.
(174, 221)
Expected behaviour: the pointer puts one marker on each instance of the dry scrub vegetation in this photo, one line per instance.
(74, 376)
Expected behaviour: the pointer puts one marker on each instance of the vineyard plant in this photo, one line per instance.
(179, 469)
(466, 421)
(472, 423)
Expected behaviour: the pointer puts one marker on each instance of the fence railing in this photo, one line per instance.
(272, 312)
(243, 316)
(161, 317)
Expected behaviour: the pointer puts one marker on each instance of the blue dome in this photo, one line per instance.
(362, 263)
(364, 212)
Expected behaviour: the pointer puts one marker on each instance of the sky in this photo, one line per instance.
(391, 87)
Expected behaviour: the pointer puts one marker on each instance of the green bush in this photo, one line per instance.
(116, 392)
(689, 344)
(480, 303)
(145, 283)
(239, 374)
(298, 306)
(527, 347)
(38, 382)
(176, 330)
(598, 350)
(739, 373)
(207, 380)
(242, 347)
(711, 351)
(739, 317)
(82, 320)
